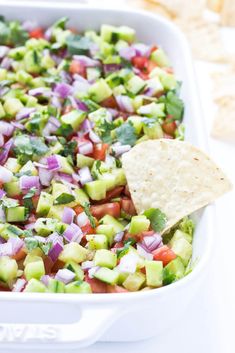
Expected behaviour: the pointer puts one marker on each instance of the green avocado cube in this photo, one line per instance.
(96, 190)
(16, 214)
(139, 224)
(106, 275)
(105, 258)
(34, 269)
(78, 287)
(154, 273)
(97, 241)
(99, 91)
(8, 269)
(73, 252)
(134, 281)
(45, 202)
(74, 118)
(35, 286)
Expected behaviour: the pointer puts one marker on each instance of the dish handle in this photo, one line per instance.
(93, 322)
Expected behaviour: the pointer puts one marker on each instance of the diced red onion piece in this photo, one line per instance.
(3, 51)
(92, 271)
(45, 176)
(5, 151)
(64, 275)
(2, 216)
(30, 226)
(82, 219)
(82, 106)
(5, 175)
(6, 249)
(124, 103)
(49, 129)
(40, 91)
(6, 129)
(85, 175)
(63, 177)
(1, 140)
(114, 112)
(17, 125)
(73, 233)
(2, 193)
(127, 53)
(86, 61)
(152, 242)
(24, 113)
(63, 89)
(53, 163)
(94, 137)
(6, 63)
(119, 150)
(16, 243)
(142, 49)
(85, 147)
(19, 285)
(109, 68)
(76, 177)
(45, 279)
(128, 263)
(81, 86)
(118, 237)
(29, 25)
(48, 34)
(68, 215)
(54, 121)
(86, 125)
(56, 102)
(51, 138)
(28, 182)
(55, 251)
(142, 252)
(40, 165)
(86, 265)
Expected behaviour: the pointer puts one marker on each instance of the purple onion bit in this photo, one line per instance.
(152, 242)
(5, 151)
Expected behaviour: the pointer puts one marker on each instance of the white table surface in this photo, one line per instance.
(208, 326)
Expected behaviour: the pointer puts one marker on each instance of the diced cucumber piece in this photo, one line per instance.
(46, 226)
(65, 166)
(34, 269)
(139, 224)
(45, 202)
(155, 110)
(92, 73)
(108, 230)
(134, 281)
(106, 275)
(8, 269)
(105, 258)
(74, 267)
(122, 276)
(168, 81)
(12, 188)
(23, 77)
(97, 241)
(58, 189)
(12, 165)
(154, 131)
(12, 106)
(155, 85)
(137, 123)
(96, 190)
(160, 58)
(84, 161)
(16, 214)
(3, 74)
(73, 252)
(81, 197)
(55, 286)
(99, 91)
(2, 111)
(109, 220)
(47, 62)
(74, 118)
(34, 256)
(9, 230)
(179, 234)
(29, 167)
(173, 271)
(109, 179)
(154, 273)
(135, 85)
(56, 211)
(31, 60)
(126, 33)
(78, 287)
(35, 286)
(183, 249)
(120, 177)
(109, 33)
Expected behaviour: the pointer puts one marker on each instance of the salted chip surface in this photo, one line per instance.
(173, 176)
(224, 123)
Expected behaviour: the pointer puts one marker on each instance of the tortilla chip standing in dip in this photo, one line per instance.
(173, 176)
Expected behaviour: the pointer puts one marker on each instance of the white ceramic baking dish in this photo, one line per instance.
(71, 321)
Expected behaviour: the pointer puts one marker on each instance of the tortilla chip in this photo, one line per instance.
(151, 6)
(228, 13)
(224, 123)
(183, 8)
(223, 84)
(215, 5)
(173, 176)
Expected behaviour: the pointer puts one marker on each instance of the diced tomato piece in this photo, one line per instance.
(112, 209)
(109, 102)
(154, 47)
(128, 206)
(140, 62)
(35, 199)
(67, 109)
(78, 209)
(169, 70)
(116, 289)
(87, 229)
(168, 137)
(127, 191)
(118, 245)
(99, 151)
(76, 68)
(32, 218)
(20, 255)
(145, 234)
(151, 65)
(169, 126)
(164, 254)
(111, 194)
(96, 285)
(36, 33)
(56, 266)
(143, 75)
(48, 264)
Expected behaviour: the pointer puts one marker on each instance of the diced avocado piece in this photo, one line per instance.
(139, 224)
(173, 271)
(179, 234)
(56, 211)
(135, 85)
(8, 269)
(74, 267)
(107, 230)
(106, 275)
(16, 214)
(12, 165)
(134, 281)
(78, 287)
(12, 106)
(97, 241)
(105, 258)
(155, 110)
(74, 118)
(12, 188)
(84, 161)
(137, 123)
(45, 202)
(109, 220)
(120, 177)
(29, 167)
(183, 249)
(81, 197)
(160, 58)
(96, 190)
(34, 269)
(154, 273)
(153, 131)
(2, 111)
(168, 81)
(99, 91)
(73, 252)
(45, 226)
(31, 60)
(35, 286)
(65, 166)
(55, 286)
(109, 179)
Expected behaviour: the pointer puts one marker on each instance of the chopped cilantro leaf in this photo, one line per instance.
(157, 218)
(64, 130)
(64, 199)
(174, 106)
(105, 129)
(78, 45)
(8, 203)
(126, 134)
(89, 215)
(123, 251)
(30, 193)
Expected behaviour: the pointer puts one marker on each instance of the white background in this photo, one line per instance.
(208, 326)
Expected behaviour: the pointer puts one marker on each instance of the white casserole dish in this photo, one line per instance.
(30, 320)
